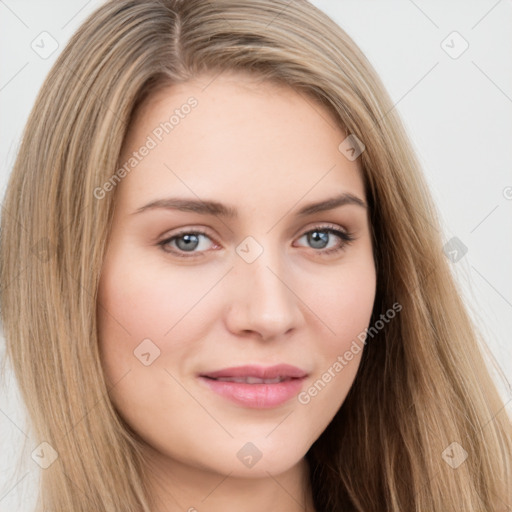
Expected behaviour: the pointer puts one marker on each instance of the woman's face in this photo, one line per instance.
(227, 300)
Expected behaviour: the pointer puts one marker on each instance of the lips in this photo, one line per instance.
(280, 371)
(252, 380)
(256, 386)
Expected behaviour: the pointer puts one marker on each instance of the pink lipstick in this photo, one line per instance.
(256, 387)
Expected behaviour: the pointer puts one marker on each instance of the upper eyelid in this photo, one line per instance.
(204, 231)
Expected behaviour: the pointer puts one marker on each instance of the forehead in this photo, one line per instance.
(234, 135)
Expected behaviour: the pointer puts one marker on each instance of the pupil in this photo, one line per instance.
(191, 242)
(318, 239)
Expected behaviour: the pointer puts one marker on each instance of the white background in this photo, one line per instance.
(458, 112)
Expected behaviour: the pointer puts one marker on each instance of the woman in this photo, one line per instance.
(230, 289)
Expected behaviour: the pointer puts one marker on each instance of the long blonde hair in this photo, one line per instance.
(422, 383)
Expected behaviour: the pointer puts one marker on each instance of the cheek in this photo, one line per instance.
(149, 300)
(343, 304)
(138, 302)
(146, 309)
(351, 304)
(345, 310)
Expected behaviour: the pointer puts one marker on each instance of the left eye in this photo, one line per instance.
(321, 238)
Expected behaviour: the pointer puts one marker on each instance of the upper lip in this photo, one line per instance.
(260, 372)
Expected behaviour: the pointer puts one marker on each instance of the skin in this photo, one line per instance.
(266, 151)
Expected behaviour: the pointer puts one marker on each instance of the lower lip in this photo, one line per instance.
(256, 396)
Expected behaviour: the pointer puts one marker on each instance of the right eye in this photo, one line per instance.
(186, 242)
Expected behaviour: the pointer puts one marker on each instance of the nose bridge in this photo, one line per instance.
(264, 300)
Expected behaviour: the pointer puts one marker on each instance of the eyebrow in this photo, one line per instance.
(207, 207)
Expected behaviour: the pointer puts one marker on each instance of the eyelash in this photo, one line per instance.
(346, 237)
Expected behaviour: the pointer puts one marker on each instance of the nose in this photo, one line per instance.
(262, 299)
